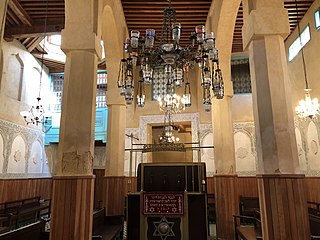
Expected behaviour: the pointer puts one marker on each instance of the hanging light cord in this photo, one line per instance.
(44, 45)
(302, 52)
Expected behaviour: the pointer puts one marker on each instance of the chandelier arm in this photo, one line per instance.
(302, 52)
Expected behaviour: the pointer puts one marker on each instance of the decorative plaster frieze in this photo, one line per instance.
(9, 131)
(183, 117)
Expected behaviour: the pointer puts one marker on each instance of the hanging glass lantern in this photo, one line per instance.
(149, 41)
(200, 33)
(147, 71)
(218, 85)
(206, 99)
(141, 97)
(206, 73)
(135, 38)
(176, 32)
(178, 77)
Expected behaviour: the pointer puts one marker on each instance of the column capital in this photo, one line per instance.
(265, 21)
(73, 41)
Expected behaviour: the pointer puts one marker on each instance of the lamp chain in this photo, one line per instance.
(44, 44)
(302, 52)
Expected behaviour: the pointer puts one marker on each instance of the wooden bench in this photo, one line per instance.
(248, 206)
(103, 229)
(32, 231)
(211, 208)
(24, 211)
(247, 231)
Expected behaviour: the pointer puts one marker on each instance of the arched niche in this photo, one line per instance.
(313, 153)
(33, 88)
(245, 159)
(36, 158)
(301, 151)
(17, 160)
(207, 154)
(1, 153)
(15, 77)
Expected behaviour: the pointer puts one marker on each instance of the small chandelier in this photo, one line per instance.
(36, 114)
(307, 107)
(167, 136)
(150, 53)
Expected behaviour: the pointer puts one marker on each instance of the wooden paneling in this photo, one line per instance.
(72, 208)
(283, 207)
(312, 189)
(115, 195)
(210, 185)
(15, 189)
(247, 186)
(227, 204)
(99, 188)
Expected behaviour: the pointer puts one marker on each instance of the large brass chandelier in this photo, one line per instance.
(152, 51)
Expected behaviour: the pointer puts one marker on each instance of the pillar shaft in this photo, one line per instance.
(73, 183)
(223, 15)
(283, 207)
(115, 140)
(282, 202)
(224, 155)
(227, 205)
(114, 173)
(72, 204)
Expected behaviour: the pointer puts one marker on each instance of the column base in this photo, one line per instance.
(72, 207)
(284, 213)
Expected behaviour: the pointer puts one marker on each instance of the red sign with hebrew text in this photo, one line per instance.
(163, 203)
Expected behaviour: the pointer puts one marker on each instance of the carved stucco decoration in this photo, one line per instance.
(9, 132)
(314, 147)
(242, 152)
(75, 163)
(17, 156)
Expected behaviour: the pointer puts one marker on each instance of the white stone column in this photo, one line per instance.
(222, 19)
(281, 193)
(73, 184)
(114, 31)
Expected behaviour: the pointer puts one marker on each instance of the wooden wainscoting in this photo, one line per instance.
(312, 189)
(15, 189)
(246, 186)
(129, 185)
(99, 188)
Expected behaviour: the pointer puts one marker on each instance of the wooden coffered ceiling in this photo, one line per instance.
(25, 19)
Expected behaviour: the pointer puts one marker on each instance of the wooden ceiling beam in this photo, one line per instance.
(34, 31)
(36, 41)
(20, 12)
(165, 3)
